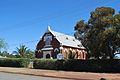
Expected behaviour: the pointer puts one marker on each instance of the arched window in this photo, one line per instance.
(47, 39)
(66, 53)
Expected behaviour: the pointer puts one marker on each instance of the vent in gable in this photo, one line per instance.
(79, 45)
(73, 39)
(67, 38)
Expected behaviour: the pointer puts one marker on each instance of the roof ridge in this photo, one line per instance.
(65, 39)
(62, 34)
(50, 30)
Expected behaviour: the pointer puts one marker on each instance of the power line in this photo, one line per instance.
(27, 42)
(48, 17)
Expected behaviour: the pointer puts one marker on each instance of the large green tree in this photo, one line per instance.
(101, 34)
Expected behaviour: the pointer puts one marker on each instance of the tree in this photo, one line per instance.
(71, 55)
(24, 52)
(3, 44)
(101, 34)
(30, 54)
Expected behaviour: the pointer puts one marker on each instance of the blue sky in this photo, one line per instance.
(25, 21)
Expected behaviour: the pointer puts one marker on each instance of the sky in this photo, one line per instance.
(25, 21)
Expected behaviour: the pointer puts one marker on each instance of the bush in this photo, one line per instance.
(79, 65)
(13, 62)
(44, 64)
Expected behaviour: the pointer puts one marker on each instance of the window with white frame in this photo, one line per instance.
(47, 39)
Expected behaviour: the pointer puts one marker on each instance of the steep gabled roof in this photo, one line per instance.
(66, 40)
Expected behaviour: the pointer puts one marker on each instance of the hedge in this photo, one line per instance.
(44, 64)
(79, 65)
(67, 65)
(13, 62)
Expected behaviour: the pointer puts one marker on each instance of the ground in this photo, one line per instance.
(62, 74)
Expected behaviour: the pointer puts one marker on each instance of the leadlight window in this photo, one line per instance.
(47, 39)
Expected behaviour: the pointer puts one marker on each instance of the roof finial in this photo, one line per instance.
(48, 28)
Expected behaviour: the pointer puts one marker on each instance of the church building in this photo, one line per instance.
(52, 43)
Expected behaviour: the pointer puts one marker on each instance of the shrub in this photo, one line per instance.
(13, 62)
(71, 55)
(79, 65)
(44, 64)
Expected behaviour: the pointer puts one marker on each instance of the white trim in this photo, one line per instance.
(45, 53)
(45, 49)
(56, 49)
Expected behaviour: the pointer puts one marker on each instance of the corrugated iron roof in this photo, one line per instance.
(66, 40)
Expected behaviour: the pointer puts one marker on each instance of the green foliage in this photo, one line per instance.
(8, 55)
(101, 17)
(14, 62)
(44, 64)
(8, 62)
(24, 52)
(79, 65)
(71, 55)
(3, 44)
(25, 62)
(101, 35)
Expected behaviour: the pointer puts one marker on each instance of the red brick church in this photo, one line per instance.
(53, 43)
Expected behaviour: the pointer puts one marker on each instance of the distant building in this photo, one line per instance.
(52, 43)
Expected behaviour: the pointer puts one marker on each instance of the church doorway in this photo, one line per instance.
(48, 56)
